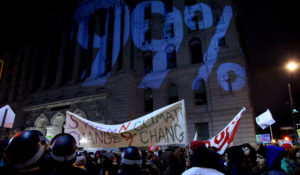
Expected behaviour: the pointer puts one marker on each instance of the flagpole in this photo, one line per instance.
(186, 134)
(271, 133)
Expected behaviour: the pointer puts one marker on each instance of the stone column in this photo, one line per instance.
(25, 70)
(46, 67)
(81, 43)
(61, 58)
(99, 45)
(33, 68)
(117, 34)
(13, 85)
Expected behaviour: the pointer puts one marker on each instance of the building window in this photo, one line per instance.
(171, 56)
(200, 92)
(169, 30)
(172, 94)
(196, 50)
(147, 36)
(229, 85)
(202, 131)
(168, 6)
(147, 13)
(189, 2)
(147, 56)
(231, 78)
(109, 49)
(148, 103)
(222, 42)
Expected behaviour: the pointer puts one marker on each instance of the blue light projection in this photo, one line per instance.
(172, 36)
(140, 25)
(210, 56)
(97, 76)
(189, 14)
(83, 35)
(223, 77)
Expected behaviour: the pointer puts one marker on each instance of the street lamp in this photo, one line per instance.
(292, 67)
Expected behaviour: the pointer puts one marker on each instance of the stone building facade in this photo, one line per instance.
(113, 61)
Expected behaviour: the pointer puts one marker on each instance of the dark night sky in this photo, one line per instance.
(271, 36)
(272, 39)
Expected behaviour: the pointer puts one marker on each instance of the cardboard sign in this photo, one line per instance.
(164, 126)
(263, 138)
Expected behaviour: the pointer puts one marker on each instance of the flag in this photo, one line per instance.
(225, 137)
(286, 144)
(265, 119)
(196, 136)
(9, 117)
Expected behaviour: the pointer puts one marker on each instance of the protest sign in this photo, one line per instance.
(164, 126)
(7, 117)
(265, 119)
(223, 138)
(263, 138)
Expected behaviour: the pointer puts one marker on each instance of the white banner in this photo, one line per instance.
(223, 138)
(164, 126)
(9, 116)
(265, 119)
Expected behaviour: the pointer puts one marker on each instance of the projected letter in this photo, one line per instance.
(173, 22)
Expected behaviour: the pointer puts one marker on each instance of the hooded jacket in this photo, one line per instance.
(273, 159)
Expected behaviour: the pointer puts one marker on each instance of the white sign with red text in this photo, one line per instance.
(224, 138)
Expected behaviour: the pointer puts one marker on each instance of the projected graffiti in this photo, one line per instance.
(210, 56)
(116, 12)
(164, 49)
(172, 37)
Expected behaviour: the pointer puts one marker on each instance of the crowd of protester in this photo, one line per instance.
(28, 153)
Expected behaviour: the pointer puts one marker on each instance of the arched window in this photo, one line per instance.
(222, 42)
(189, 2)
(200, 92)
(196, 50)
(171, 56)
(147, 56)
(168, 5)
(147, 11)
(148, 100)
(172, 94)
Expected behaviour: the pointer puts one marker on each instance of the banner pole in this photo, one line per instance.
(271, 133)
(186, 132)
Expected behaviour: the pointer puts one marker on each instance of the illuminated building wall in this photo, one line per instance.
(112, 61)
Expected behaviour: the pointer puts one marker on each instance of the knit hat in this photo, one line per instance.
(262, 150)
(196, 144)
